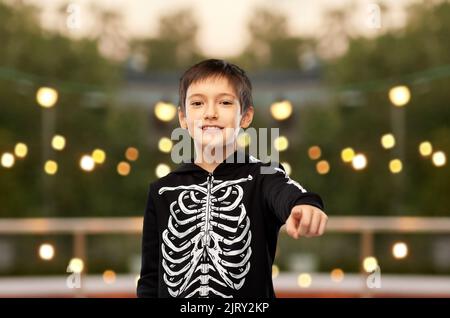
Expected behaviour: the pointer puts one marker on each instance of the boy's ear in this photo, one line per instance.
(247, 117)
(182, 118)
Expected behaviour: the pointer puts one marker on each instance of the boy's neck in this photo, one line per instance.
(205, 164)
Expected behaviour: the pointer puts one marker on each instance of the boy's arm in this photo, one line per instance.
(292, 204)
(148, 282)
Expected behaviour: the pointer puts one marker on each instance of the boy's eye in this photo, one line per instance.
(226, 102)
(196, 103)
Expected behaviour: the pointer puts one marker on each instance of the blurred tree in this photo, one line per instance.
(31, 57)
(416, 55)
(271, 47)
(175, 45)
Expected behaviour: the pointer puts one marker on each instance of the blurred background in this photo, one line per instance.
(359, 89)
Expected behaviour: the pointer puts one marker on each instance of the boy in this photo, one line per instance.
(211, 226)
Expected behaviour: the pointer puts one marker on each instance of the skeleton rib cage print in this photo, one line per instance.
(206, 246)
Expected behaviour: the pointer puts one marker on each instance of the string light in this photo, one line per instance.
(46, 251)
(388, 141)
(99, 156)
(281, 143)
(47, 97)
(109, 276)
(20, 150)
(162, 170)
(400, 250)
(76, 265)
(275, 271)
(7, 160)
(337, 275)
(304, 280)
(323, 167)
(395, 166)
(58, 142)
(165, 111)
(87, 163)
(347, 154)
(399, 95)
(132, 154)
(425, 148)
(165, 145)
(287, 167)
(370, 264)
(123, 168)
(314, 152)
(359, 162)
(243, 140)
(439, 158)
(281, 110)
(50, 167)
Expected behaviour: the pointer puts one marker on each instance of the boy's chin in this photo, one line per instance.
(213, 144)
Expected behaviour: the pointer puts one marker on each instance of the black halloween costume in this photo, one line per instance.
(215, 234)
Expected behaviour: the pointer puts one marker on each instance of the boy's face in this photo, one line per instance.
(213, 113)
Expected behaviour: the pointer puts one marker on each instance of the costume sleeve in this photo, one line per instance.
(148, 282)
(282, 193)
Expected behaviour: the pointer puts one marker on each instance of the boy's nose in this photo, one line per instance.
(210, 111)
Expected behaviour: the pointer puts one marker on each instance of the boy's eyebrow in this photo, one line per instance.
(227, 94)
(201, 95)
(195, 95)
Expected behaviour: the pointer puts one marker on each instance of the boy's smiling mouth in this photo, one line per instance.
(211, 128)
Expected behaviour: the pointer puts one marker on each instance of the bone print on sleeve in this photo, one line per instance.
(283, 193)
(206, 246)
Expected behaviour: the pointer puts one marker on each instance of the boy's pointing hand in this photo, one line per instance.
(306, 220)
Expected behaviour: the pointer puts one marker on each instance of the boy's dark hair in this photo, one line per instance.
(218, 68)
